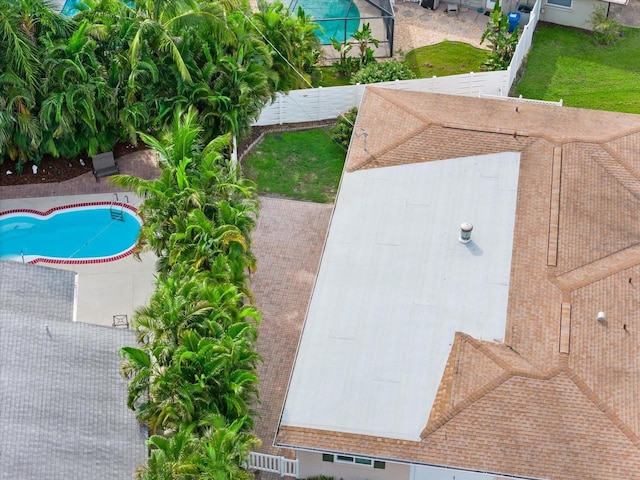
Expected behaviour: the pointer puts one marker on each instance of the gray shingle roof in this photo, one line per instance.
(32, 291)
(62, 402)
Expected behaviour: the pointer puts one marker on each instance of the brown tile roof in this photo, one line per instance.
(560, 398)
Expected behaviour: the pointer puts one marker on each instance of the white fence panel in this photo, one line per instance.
(273, 464)
(524, 44)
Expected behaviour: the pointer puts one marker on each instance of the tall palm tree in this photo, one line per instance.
(180, 208)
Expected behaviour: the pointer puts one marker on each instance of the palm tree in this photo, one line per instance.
(23, 26)
(294, 46)
(220, 454)
(225, 449)
(20, 131)
(181, 208)
(175, 457)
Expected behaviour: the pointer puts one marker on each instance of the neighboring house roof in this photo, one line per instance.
(557, 396)
(63, 410)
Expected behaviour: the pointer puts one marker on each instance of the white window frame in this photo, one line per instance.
(357, 461)
(555, 5)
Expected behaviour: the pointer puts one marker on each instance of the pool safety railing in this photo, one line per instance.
(115, 213)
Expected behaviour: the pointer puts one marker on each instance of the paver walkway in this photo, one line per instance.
(288, 244)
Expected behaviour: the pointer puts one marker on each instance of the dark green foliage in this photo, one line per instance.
(347, 65)
(364, 38)
(343, 129)
(383, 72)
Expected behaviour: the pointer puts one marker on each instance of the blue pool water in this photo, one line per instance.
(71, 7)
(69, 234)
(343, 16)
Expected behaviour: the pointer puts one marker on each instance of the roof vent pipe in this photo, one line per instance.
(465, 232)
(602, 317)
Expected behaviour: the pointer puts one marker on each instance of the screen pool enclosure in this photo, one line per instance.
(340, 19)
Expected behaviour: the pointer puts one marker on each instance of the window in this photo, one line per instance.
(560, 3)
(367, 462)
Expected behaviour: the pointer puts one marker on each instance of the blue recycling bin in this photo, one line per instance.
(514, 19)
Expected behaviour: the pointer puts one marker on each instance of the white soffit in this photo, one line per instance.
(394, 286)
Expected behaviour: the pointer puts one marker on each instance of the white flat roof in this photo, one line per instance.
(394, 286)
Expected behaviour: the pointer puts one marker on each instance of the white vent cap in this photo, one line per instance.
(465, 232)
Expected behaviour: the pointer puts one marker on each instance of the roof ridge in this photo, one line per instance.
(621, 161)
(535, 134)
(619, 177)
(481, 392)
(456, 409)
(388, 148)
(602, 406)
(401, 105)
(480, 345)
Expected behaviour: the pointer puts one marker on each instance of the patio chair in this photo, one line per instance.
(104, 165)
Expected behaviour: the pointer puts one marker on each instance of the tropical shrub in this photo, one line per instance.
(343, 129)
(383, 72)
(364, 38)
(503, 44)
(291, 35)
(606, 30)
(345, 65)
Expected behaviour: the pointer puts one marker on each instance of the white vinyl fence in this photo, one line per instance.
(274, 464)
(524, 44)
(316, 104)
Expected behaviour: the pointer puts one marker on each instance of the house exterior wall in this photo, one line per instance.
(574, 16)
(424, 472)
(310, 464)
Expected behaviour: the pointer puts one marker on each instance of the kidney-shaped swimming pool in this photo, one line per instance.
(81, 233)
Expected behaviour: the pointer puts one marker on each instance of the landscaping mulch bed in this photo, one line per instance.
(53, 170)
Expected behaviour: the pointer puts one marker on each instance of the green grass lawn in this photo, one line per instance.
(445, 58)
(567, 64)
(304, 165)
(329, 78)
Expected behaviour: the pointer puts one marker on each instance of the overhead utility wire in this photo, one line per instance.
(340, 114)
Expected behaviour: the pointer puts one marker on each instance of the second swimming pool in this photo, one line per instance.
(339, 18)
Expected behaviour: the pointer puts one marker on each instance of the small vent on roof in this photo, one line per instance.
(602, 317)
(465, 232)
